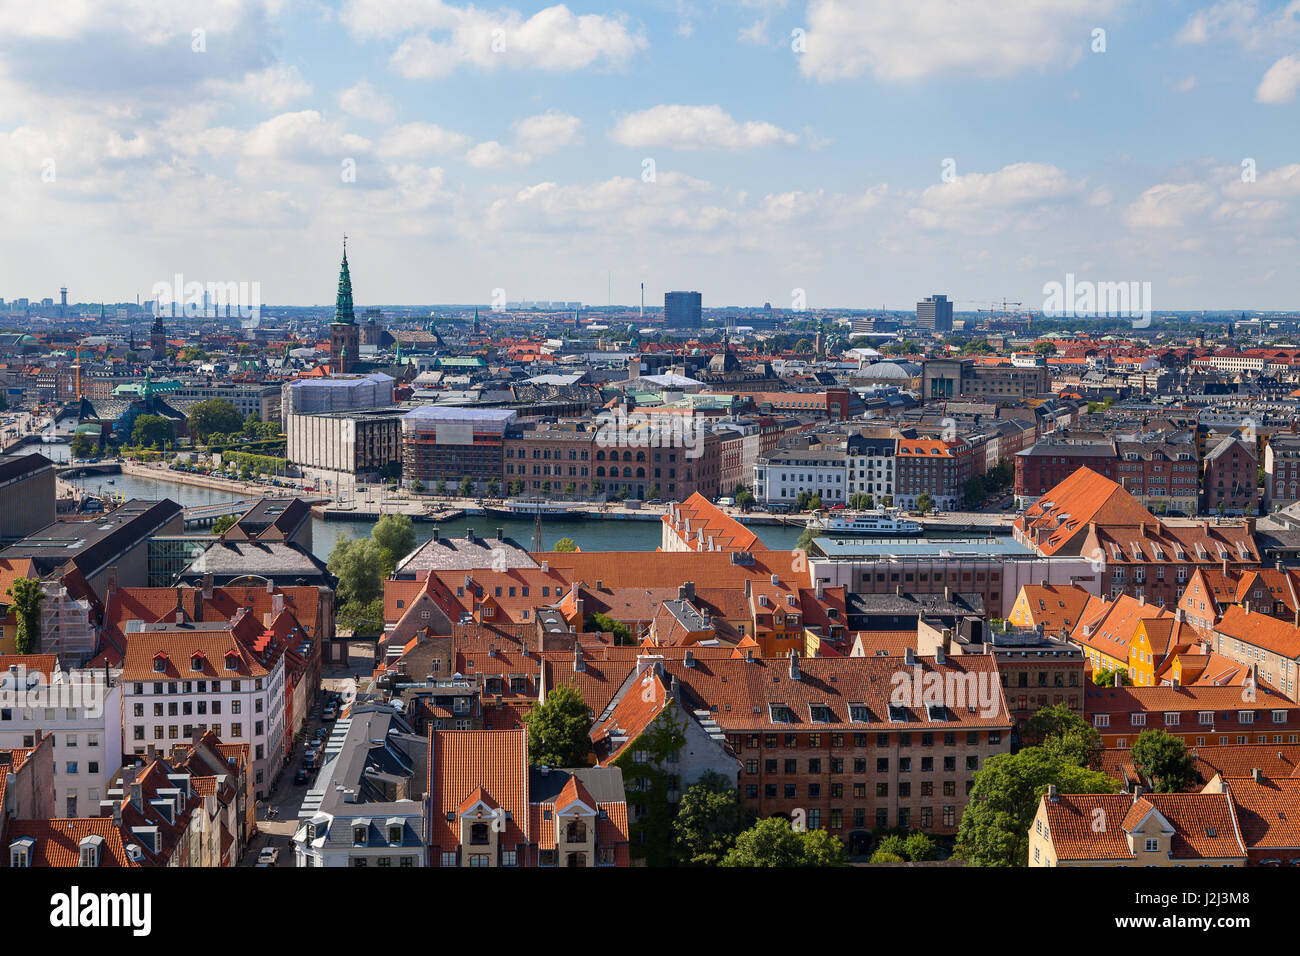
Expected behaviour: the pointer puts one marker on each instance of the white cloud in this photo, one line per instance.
(696, 127)
(364, 101)
(1167, 205)
(414, 140)
(492, 155)
(1242, 22)
(846, 38)
(547, 132)
(276, 86)
(302, 137)
(1011, 185)
(1281, 82)
(438, 37)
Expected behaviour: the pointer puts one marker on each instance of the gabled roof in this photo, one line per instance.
(1203, 824)
(1083, 498)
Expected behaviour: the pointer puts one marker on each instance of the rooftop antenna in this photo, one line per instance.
(642, 301)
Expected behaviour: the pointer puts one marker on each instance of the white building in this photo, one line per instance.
(871, 466)
(821, 470)
(185, 676)
(79, 711)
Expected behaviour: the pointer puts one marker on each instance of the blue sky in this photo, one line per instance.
(131, 151)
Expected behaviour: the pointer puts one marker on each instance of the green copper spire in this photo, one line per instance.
(343, 314)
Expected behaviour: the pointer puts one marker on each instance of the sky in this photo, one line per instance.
(842, 153)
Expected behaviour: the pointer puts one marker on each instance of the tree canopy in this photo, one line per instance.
(558, 729)
(1164, 759)
(709, 818)
(774, 843)
(214, 415)
(28, 595)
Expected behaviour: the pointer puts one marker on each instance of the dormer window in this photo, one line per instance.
(819, 713)
(232, 661)
(395, 835)
(859, 713)
(89, 850)
(160, 664)
(20, 852)
(781, 714)
(360, 835)
(196, 663)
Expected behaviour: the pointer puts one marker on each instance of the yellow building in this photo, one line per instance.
(1135, 829)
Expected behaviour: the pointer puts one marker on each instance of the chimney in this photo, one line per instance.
(909, 656)
(1255, 774)
(546, 567)
(945, 640)
(137, 795)
(689, 659)
(112, 580)
(277, 603)
(578, 663)
(820, 592)
(1051, 792)
(117, 813)
(600, 585)
(207, 585)
(749, 590)
(1225, 566)
(270, 585)
(898, 590)
(947, 594)
(794, 665)
(1178, 615)
(1142, 600)
(938, 653)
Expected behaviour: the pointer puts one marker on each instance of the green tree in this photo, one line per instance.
(417, 486)
(150, 430)
(806, 538)
(214, 415)
(396, 535)
(517, 487)
(493, 488)
(82, 446)
(709, 818)
(224, 524)
(745, 498)
(558, 728)
(28, 595)
(607, 625)
(893, 844)
(466, 486)
(924, 502)
(1164, 759)
(815, 503)
(885, 856)
(919, 847)
(565, 544)
(358, 563)
(772, 843)
(994, 829)
(1063, 732)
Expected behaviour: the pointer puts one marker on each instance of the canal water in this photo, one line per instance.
(590, 535)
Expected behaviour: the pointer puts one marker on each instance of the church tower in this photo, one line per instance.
(345, 336)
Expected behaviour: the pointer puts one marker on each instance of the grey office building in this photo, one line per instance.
(683, 310)
(934, 312)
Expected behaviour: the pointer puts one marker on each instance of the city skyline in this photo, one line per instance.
(555, 153)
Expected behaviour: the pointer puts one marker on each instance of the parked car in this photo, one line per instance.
(269, 856)
(301, 777)
(331, 713)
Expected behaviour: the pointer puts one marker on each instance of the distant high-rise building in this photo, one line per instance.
(934, 312)
(345, 337)
(683, 310)
(158, 339)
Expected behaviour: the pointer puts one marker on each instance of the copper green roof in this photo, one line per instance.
(343, 314)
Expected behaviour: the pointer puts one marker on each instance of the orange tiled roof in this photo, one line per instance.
(58, 841)
(1260, 630)
(1193, 816)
